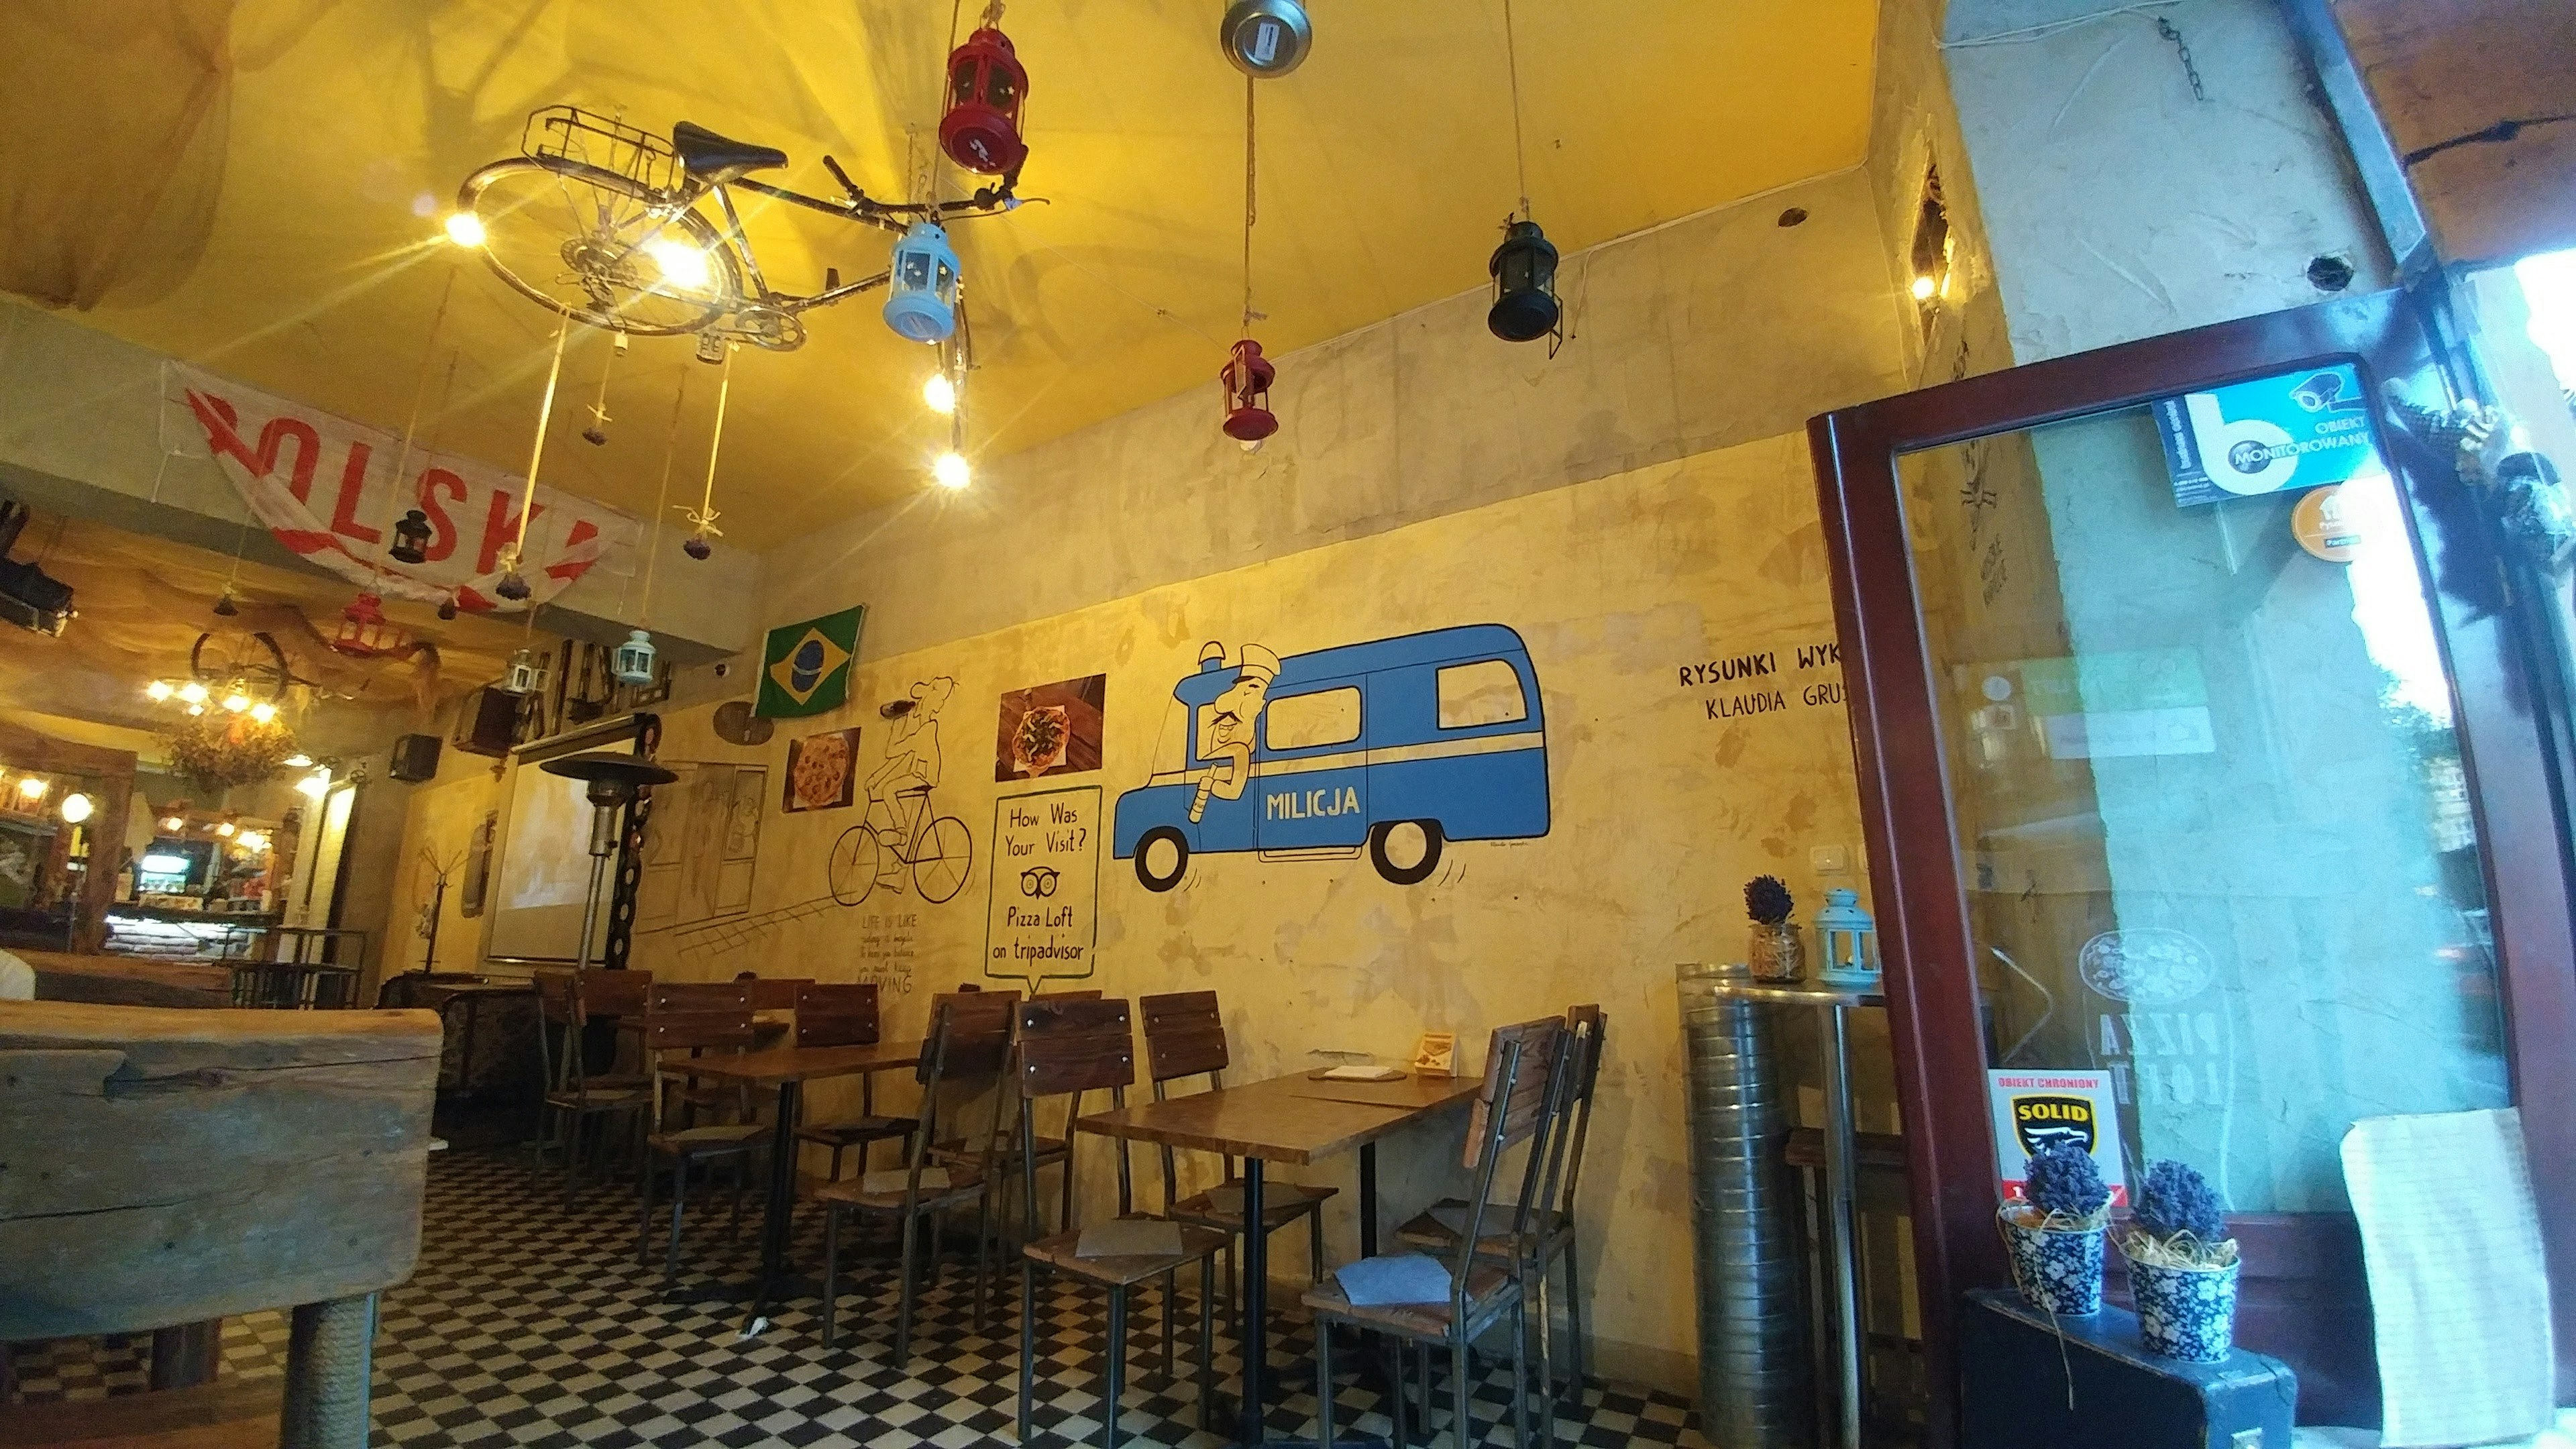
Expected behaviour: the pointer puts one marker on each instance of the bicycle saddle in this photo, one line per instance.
(716, 159)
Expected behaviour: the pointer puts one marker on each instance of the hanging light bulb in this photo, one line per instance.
(159, 691)
(173, 824)
(224, 828)
(76, 808)
(940, 393)
(235, 701)
(951, 471)
(263, 712)
(195, 710)
(192, 693)
(33, 787)
(682, 265)
(465, 229)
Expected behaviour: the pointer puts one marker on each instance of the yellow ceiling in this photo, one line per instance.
(290, 248)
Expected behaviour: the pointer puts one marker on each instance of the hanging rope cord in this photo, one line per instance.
(536, 457)
(1512, 63)
(662, 501)
(1251, 193)
(703, 518)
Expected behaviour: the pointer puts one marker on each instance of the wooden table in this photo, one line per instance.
(788, 1068)
(1295, 1119)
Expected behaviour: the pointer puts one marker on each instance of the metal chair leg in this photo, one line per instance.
(572, 1153)
(831, 1267)
(1116, 1388)
(679, 1200)
(644, 1226)
(1171, 1287)
(1395, 1401)
(1462, 1419)
(1520, 1374)
(983, 1251)
(904, 1271)
(1028, 1342)
(1207, 1342)
(1324, 1380)
(1315, 1244)
(1574, 1324)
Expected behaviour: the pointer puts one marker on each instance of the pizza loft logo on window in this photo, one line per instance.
(2044, 1122)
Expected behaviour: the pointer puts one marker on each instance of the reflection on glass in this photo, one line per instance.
(2209, 800)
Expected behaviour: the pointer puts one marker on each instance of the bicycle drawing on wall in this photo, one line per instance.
(903, 829)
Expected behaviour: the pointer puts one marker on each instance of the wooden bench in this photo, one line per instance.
(128, 980)
(167, 1167)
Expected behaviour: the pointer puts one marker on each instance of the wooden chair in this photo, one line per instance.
(1524, 1077)
(572, 1097)
(314, 1126)
(1185, 1037)
(1005, 1148)
(968, 1045)
(774, 993)
(693, 1019)
(1067, 1047)
(1550, 1241)
(846, 1015)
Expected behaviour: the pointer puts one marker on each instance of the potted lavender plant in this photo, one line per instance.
(2054, 1233)
(1776, 952)
(2182, 1266)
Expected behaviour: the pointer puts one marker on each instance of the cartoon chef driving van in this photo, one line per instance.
(1226, 724)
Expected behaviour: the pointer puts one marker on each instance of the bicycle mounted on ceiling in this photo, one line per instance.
(598, 220)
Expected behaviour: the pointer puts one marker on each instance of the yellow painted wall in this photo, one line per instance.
(1659, 814)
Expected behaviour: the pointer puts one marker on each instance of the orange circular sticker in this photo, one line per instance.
(2324, 527)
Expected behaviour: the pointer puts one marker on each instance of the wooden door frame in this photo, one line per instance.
(2515, 785)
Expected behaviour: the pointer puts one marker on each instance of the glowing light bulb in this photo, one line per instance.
(76, 807)
(192, 693)
(263, 711)
(465, 229)
(951, 471)
(940, 393)
(682, 265)
(235, 701)
(33, 787)
(224, 827)
(1924, 287)
(195, 710)
(315, 785)
(252, 841)
(158, 691)
(174, 824)
(298, 761)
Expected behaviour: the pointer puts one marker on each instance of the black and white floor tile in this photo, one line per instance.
(527, 1325)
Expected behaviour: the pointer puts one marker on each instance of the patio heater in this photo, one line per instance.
(612, 778)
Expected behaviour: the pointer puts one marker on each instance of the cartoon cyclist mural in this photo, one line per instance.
(1395, 746)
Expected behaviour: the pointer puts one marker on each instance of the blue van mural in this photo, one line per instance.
(1395, 746)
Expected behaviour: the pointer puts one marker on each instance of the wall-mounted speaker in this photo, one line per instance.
(416, 758)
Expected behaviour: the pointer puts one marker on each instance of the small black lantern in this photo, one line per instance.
(1524, 269)
(411, 538)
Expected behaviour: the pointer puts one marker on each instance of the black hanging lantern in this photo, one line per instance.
(1524, 268)
(411, 538)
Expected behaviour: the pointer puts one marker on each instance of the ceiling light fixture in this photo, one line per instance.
(235, 701)
(465, 229)
(224, 828)
(1524, 267)
(1925, 287)
(192, 693)
(263, 712)
(940, 393)
(33, 787)
(681, 264)
(158, 691)
(173, 824)
(951, 471)
(76, 808)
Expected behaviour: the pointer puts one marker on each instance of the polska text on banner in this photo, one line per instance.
(274, 451)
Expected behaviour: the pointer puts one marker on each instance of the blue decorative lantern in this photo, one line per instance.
(1849, 939)
(633, 661)
(921, 296)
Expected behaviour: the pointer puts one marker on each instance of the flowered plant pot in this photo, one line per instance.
(2059, 1270)
(2186, 1313)
(1777, 953)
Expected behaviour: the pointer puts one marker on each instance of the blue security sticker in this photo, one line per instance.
(2281, 434)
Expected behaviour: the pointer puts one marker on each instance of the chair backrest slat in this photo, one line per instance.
(1590, 1027)
(1527, 1101)
(697, 996)
(979, 1033)
(614, 993)
(844, 1014)
(1184, 1035)
(555, 996)
(689, 1030)
(1075, 1046)
(778, 994)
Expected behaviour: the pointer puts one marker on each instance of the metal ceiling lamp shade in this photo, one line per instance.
(987, 86)
(1266, 39)
(921, 285)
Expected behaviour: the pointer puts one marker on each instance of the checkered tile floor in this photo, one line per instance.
(529, 1326)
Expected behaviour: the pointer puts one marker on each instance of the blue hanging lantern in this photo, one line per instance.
(921, 286)
(1849, 940)
(633, 661)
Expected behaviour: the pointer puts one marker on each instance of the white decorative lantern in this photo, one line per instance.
(1849, 941)
(527, 673)
(633, 662)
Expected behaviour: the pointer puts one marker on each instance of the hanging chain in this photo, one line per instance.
(703, 517)
(662, 500)
(2181, 47)
(1251, 195)
(1512, 60)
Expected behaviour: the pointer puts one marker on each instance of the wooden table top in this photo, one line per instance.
(1280, 1119)
(1421, 1093)
(776, 1065)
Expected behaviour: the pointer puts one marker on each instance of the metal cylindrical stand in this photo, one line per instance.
(1756, 1389)
(327, 1367)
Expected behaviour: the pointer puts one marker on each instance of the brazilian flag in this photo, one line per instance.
(805, 668)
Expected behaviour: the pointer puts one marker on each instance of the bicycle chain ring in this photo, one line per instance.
(770, 327)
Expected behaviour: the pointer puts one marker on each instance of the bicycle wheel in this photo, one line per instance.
(581, 240)
(941, 858)
(853, 866)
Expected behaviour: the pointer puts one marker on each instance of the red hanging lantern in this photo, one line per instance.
(1246, 377)
(365, 632)
(986, 87)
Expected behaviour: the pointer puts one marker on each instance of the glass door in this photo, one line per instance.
(2184, 767)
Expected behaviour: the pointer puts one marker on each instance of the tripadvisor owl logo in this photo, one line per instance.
(2042, 1122)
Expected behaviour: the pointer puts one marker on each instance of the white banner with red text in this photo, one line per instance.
(325, 486)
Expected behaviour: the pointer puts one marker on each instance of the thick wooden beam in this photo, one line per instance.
(2477, 98)
(161, 1167)
(128, 980)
